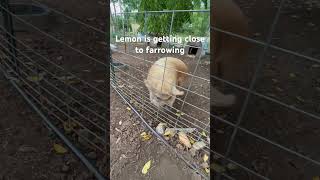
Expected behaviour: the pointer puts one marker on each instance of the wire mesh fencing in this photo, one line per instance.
(267, 137)
(129, 70)
(60, 80)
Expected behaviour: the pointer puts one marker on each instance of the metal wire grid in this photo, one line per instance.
(58, 95)
(237, 128)
(129, 84)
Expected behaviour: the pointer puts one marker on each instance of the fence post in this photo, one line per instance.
(9, 31)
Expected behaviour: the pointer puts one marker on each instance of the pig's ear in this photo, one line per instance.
(176, 92)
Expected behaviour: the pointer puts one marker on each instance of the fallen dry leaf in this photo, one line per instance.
(160, 128)
(207, 170)
(183, 138)
(204, 165)
(145, 136)
(179, 113)
(34, 78)
(316, 178)
(199, 145)
(59, 149)
(192, 141)
(205, 157)
(218, 168)
(67, 128)
(292, 75)
(169, 132)
(129, 109)
(146, 167)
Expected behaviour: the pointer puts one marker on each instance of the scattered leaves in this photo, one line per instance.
(179, 113)
(169, 132)
(199, 145)
(67, 128)
(204, 165)
(203, 134)
(145, 136)
(316, 178)
(207, 170)
(183, 138)
(218, 168)
(160, 128)
(192, 141)
(205, 157)
(35, 78)
(292, 75)
(59, 149)
(233, 166)
(146, 167)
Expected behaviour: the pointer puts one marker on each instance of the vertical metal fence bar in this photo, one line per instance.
(165, 64)
(188, 89)
(171, 25)
(252, 84)
(190, 84)
(10, 35)
(144, 54)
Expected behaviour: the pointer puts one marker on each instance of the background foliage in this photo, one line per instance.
(158, 24)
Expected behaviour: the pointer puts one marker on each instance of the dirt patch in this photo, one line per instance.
(129, 153)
